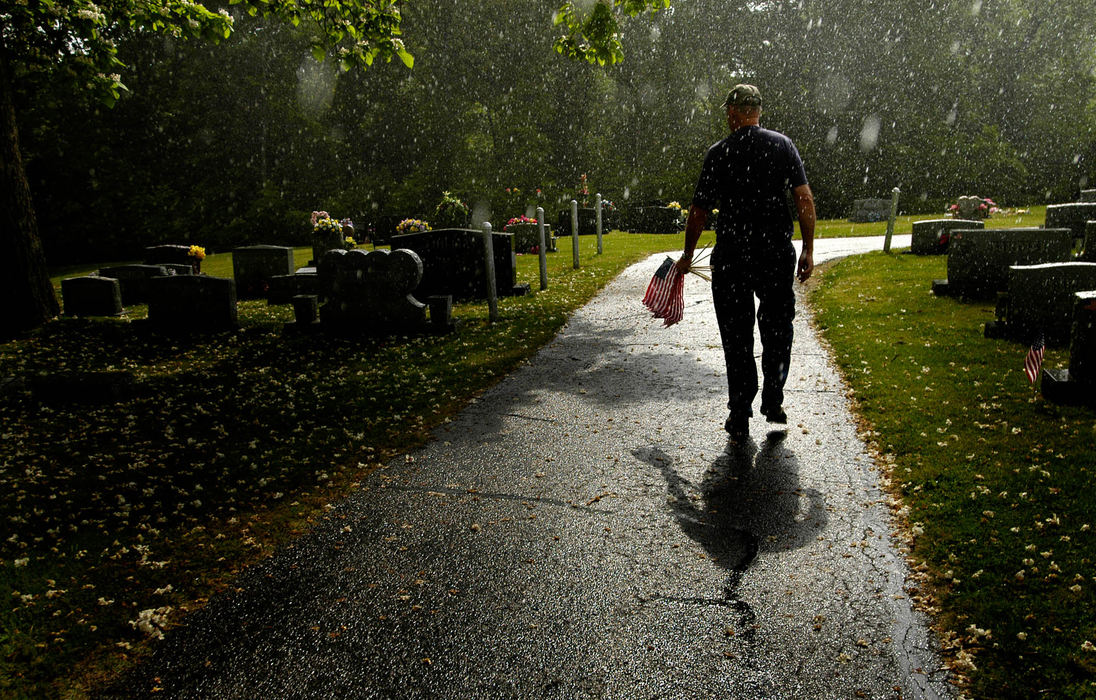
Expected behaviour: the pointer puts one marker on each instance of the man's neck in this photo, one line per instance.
(742, 122)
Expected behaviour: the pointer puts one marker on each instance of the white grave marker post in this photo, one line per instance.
(574, 233)
(890, 222)
(543, 252)
(597, 203)
(489, 261)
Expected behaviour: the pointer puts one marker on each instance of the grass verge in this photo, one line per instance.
(993, 483)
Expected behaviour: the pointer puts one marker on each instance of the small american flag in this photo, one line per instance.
(665, 294)
(1034, 360)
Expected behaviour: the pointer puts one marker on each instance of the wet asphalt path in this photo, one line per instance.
(584, 531)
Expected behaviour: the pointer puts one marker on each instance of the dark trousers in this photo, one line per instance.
(737, 275)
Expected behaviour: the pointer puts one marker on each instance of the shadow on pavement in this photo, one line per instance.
(749, 501)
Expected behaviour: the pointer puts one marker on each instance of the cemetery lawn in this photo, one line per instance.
(993, 484)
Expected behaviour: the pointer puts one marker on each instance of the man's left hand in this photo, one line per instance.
(806, 266)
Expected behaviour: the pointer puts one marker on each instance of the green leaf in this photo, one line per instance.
(318, 53)
(406, 57)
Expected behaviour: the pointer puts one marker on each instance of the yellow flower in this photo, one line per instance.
(197, 251)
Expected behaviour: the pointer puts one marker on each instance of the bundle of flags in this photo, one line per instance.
(1034, 360)
(665, 297)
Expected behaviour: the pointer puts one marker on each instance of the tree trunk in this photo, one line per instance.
(27, 299)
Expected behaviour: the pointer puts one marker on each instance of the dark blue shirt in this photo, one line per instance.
(746, 176)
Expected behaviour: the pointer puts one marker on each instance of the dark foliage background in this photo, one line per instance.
(237, 144)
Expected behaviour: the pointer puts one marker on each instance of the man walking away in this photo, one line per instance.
(746, 176)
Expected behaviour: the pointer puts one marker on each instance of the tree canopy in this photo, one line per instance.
(225, 144)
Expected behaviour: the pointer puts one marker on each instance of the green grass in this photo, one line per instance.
(992, 480)
(836, 228)
(232, 446)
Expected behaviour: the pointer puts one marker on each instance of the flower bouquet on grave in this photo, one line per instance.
(412, 226)
(517, 220)
(324, 225)
(526, 233)
(347, 227)
(451, 212)
(197, 255)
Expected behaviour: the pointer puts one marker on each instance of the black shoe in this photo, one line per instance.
(738, 427)
(775, 415)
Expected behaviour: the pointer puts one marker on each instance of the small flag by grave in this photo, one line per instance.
(1034, 360)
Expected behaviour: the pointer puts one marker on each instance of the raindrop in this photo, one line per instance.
(831, 136)
(627, 192)
(315, 85)
(976, 8)
(953, 114)
(869, 133)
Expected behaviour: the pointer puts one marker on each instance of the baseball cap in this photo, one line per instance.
(743, 95)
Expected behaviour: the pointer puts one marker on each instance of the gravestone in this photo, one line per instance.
(284, 287)
(1077, 384)
(931, 236)
(192, 303)
(134, 280)
(306, 311)
(370, 292)
(587, 222)
(254, 266)
(323, 241)
(178, 269)
(661, 220)
(527, 237)
(1088, 254)
(1072, 216)
(970, 207)
(168, 254)
(453, 263)
(868, 210)
(1087, 196)
(91, 296)
(1040, 300)
(978, 260)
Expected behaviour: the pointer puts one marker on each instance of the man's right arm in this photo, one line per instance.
(694, 226)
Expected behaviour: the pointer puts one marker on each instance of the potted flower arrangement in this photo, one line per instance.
(412, 226)
(451, 212)
(197, 255)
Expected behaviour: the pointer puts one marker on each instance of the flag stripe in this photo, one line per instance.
(665, 293)
(1034, 360)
